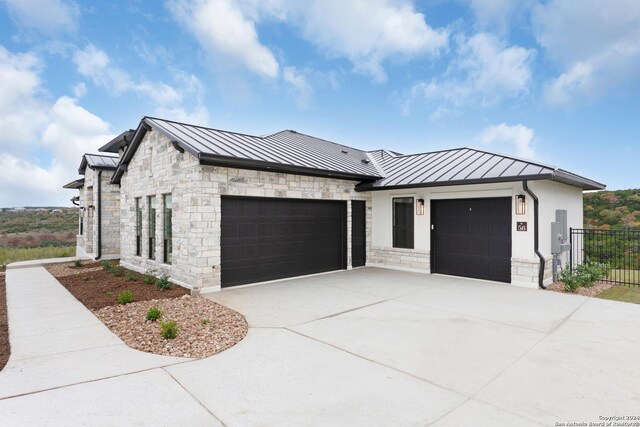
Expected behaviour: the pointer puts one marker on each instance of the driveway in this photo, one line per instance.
(379, 347)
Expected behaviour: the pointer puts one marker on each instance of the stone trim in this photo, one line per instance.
(400, 257)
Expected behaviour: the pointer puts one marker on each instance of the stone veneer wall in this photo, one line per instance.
(157, 168)
(410, 259)
(524, 272)
(110, 202)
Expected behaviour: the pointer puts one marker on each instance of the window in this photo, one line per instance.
(167, 244)
(152, 227)
(138, 226)
(403, 222)
(81, 221)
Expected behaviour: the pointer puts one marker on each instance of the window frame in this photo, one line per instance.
(138, 216)
(409, 229)
(167, 233)
(151, 226)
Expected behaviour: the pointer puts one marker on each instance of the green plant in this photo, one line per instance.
(154, 313)
(205, 321)
(169, 329)
(584, 275)
(108, 266)
(125, 297)
(109, 293)
(78, 263)
(131, 276)
(163, 282)
(118, 271)
(149, 277)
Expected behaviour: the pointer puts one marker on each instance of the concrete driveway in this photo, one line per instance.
(363, 347)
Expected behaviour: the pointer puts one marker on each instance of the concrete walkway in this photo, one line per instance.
(363, 347)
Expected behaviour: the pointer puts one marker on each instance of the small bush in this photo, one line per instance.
(108, 266)
(125, 297)
(584, 275)
(131, 276)
(109, 293)
(78, 263)
(163, 282)
(149, 277)
(118, 271)
(154, 314)
(205, 321)
(169, 329)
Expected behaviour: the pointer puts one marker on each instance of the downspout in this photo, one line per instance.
(99, 251)
(536, 243)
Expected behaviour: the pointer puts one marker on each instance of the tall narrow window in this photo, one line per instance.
(403, 222)
(152, 227)
(138, 226)
(167, 244)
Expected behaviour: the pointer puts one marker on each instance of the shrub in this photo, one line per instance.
(125, 297)
(118, 271)
(78, 263)
(109, 293)
(163, 282)
(154, 313)
(205, 321)
(131, 276)
(169, 329)
(585, 275)
(107, 266)
(149, 277)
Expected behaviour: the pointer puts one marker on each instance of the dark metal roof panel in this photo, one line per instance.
(118, 142)
(74, 185)
(286, 147)
(100, 161)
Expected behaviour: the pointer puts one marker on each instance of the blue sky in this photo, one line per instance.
(554, 81)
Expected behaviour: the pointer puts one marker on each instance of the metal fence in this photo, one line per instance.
(620, 249)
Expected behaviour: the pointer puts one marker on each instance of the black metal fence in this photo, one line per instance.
(619, 249)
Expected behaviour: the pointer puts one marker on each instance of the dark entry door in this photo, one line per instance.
(265, 239)
(472, 238)
(358, 233)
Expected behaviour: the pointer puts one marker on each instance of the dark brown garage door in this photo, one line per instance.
(265, 239)
(472, 238)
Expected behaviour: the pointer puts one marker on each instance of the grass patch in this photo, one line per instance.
(621, 293)
(627, 276)
(9, 255)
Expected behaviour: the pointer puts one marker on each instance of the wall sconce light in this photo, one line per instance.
(520, 204)
(420, 207)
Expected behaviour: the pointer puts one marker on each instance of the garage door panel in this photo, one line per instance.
(472, 238)
(266, 239)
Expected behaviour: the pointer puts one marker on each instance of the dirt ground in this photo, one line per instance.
(96, 288)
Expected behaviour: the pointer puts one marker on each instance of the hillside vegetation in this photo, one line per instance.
(617, 209)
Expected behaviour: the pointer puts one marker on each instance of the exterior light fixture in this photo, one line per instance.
(420, 207)
(520, 204)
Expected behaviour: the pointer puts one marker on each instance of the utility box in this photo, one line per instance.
(556, 238)
(561, 217)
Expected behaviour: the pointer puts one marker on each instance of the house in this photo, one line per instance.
(215, 209)
(99, 202)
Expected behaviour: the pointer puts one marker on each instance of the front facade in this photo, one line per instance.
(214, 209)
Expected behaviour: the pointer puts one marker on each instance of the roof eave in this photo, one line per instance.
(139, 134)
(214, 160)
(577, 181)
(75, 184)
(372, 187)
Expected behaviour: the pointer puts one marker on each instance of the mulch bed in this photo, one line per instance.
(5, 348)
(96, 288)
(204, 327)
(592, 291)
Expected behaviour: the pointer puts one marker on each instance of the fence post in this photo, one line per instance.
(571, 249)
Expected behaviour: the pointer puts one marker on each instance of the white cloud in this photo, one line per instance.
(485, 72)
(22, 113)
(44, 15)
(222, 29)
(497, 15)
(368, 32)
(599, 45)
(300, 85)
(509, 139)
(32, 129)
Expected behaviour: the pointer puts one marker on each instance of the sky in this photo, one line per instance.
(553, 81)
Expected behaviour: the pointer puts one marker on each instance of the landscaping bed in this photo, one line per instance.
(183, 325)
(5, 348)
(592, 291)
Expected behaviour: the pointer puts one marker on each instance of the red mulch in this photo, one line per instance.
(5, 348)
(97, 288)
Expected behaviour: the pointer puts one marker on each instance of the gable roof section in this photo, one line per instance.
(464, 166)
(97, 161)
(285, 151)
(118, 142)
(74, 185)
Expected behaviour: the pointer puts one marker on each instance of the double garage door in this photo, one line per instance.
(472, 238)
(266, 239)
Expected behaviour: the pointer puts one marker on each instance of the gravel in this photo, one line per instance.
(204, 327)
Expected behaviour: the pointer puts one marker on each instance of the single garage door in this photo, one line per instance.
(472, 238)
(266, 239)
